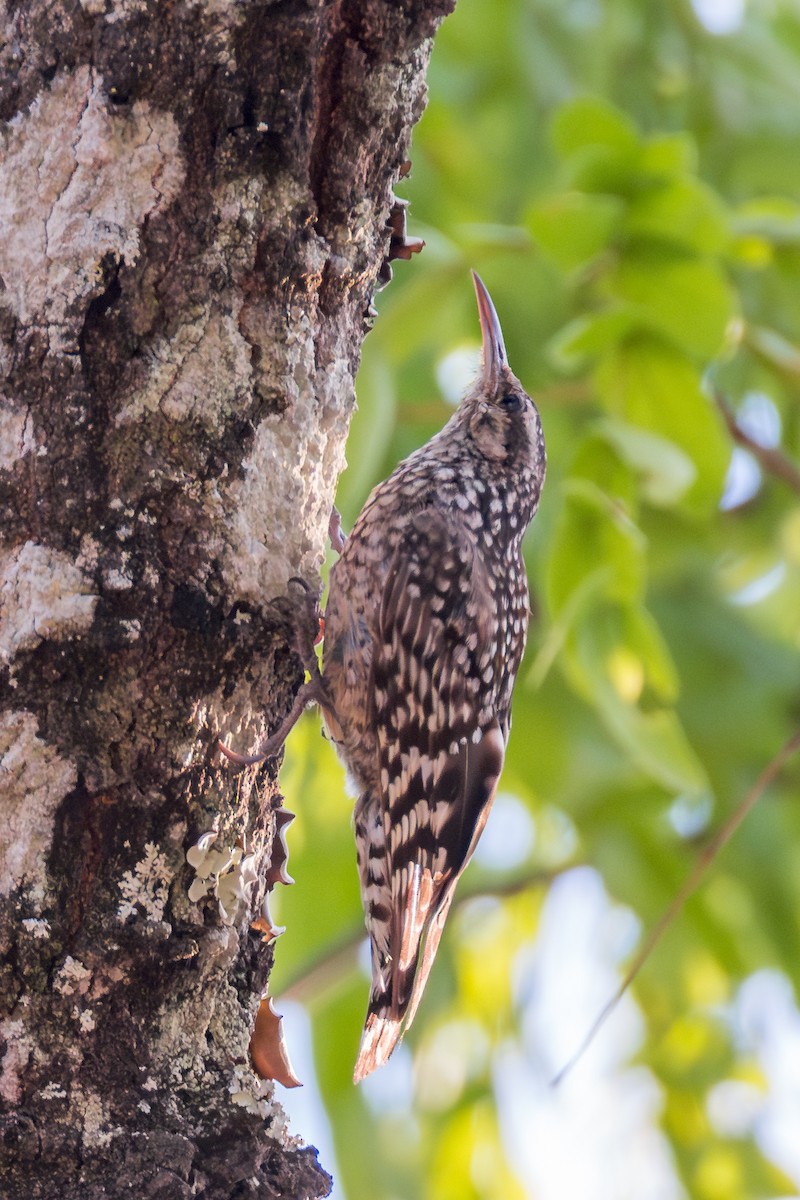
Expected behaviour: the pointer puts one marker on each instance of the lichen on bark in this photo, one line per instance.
(193, 205)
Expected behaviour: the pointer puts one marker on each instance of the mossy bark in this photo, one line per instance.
(193, 206)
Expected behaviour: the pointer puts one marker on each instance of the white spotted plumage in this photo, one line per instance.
(424, 631)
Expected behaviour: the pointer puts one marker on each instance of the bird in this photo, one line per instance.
(424, 630)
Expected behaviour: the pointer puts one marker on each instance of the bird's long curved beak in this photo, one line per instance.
(494, 349)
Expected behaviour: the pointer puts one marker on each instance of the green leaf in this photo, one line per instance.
(644, 640)
(652, 386)
(572, 227)
(607, 669)
(687, 300)
(775, 350)
(684, 211)
(776, 219)
(595, 532)
(665, 472)
(583, 596)
(591, 121)
(669, 155)
(599, 144)
(587, 336)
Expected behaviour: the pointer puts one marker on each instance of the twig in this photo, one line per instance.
(774, 462)
(703, 862)
(315, 977)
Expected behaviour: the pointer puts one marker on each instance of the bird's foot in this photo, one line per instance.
(310, 693)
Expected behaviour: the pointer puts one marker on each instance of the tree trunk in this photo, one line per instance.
(193, 201)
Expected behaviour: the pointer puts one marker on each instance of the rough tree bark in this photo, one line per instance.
(193, 199)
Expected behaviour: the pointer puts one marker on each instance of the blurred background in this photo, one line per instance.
(626, 178)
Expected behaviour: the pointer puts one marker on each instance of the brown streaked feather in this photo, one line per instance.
(424, 632)
(481, 780)
(440, 753)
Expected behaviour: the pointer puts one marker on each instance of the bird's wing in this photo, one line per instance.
(441, 751)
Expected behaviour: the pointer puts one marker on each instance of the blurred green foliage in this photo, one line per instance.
(626, 183)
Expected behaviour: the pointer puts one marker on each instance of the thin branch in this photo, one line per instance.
(774, 462)
(335, 962)
(701, 866)
(318, 976)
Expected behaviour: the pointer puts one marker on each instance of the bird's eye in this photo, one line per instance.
(511, 401)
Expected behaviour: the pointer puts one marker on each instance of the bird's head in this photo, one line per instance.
(502, 420)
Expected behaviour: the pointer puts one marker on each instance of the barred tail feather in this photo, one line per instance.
(387, 1020)
(391, 1012)
(427, 956)
(381, 1034)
